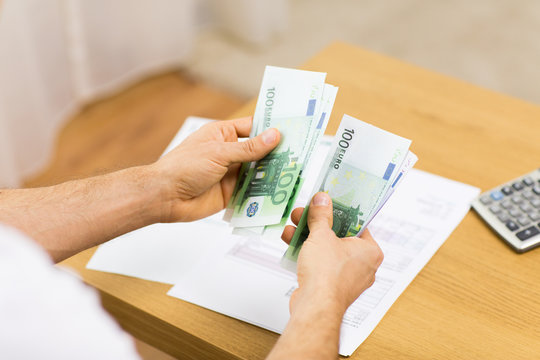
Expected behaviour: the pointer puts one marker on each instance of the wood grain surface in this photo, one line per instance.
(476, 298)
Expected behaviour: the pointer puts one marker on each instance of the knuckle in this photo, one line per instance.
(378, 256)
(372, 281)
(220, 151)
(318, 224)
(318, 214)
(210, 126)
(319, 232)
(367, 236)
(249, 147)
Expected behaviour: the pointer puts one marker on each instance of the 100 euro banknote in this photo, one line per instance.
(288, 100)
(361, 166)
(269, 183)
(407, 165)
(321, 121)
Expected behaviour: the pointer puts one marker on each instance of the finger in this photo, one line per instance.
(292, 301)
(367, 235)
(228, 182)
(288, 233)
(371, 282)
(375, 249)
(250, 150)
(320, 212)
(296, 215)
(242, 126)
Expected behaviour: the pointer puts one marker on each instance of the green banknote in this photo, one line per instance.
(321, 121)
(360, 168)
(288, 99)
(329, 97)
(269, 183)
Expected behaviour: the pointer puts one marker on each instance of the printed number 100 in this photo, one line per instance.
(284, 181)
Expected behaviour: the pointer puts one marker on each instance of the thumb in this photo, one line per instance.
(320, 215)
(252, 149)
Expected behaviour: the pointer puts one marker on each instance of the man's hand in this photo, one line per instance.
(199, 175)
(194, 180)
(332, 273)
(339, 268)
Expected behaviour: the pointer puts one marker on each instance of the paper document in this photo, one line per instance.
(242, 278)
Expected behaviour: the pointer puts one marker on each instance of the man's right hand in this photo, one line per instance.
(331, 268)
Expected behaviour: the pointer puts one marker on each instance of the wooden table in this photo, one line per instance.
(475, 299)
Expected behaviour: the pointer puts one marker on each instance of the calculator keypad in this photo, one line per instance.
(513, 210)
(518, 206)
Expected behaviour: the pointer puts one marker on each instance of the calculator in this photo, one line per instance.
(512, 210)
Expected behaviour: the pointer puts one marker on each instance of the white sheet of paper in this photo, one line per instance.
(159, 252)
(242, 278)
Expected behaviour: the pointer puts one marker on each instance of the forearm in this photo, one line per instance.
(312, 332)
(73, 216)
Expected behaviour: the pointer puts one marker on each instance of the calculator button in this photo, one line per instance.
(496, 195)
(535, 203)
(507, 204)
(515, 213)
(523, 221)
(536, 189)
(517, 199)
(507, 190)
(528, 181)
(495, 209)
(503, 217)
(486, 200)
(528, 233)
(533, 216)
(528, 194)
(512, 226)
(517, 186)
(526, 208)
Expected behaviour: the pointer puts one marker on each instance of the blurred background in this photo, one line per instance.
(63, 61)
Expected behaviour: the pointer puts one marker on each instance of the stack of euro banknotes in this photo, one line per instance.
(364, 166)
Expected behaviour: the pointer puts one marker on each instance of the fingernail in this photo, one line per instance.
(321, 199)
(269, 136)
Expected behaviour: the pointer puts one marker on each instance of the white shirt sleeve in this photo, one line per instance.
(46, 313)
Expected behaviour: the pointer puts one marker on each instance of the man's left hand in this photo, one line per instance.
(198, 176)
